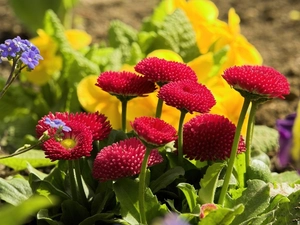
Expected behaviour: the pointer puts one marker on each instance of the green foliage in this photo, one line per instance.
(265, 139)
(20, 162)
(222, 216)
(176, 33)
(209, 183)
(17, 215)
(14, 191)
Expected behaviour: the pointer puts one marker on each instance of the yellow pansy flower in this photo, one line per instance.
(52, 62)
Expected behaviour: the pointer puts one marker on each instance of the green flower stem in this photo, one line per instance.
(72, 180)
(80, 190)
(124, 115)
(233, 151)
(180, 136)
(159, 106)
(250, 129)
(142, 187)
(12, 77)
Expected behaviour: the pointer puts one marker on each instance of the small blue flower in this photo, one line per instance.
(30, 58)
(9, 49)
(57, 123)
(21, 48)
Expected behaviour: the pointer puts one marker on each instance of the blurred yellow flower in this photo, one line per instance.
(52, 62)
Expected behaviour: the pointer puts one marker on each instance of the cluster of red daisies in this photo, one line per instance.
(205, 137)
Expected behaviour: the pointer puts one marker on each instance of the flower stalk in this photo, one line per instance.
(233, 151)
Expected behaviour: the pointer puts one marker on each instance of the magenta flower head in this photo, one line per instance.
(162, 71)
(73, 144)
(122, 159)
(257, 82)
(97, 123)
(154, 131)
(188, 95)
(124, 84)
(209, 137)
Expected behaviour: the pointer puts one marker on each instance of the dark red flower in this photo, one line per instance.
(259, 81)
(124, 84)
(96, 122)
(122, 159)
(188, 95)
(74, 144)
(209, 137)
(154, 131)
(162, 71)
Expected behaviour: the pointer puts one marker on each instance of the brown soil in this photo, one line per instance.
(266, 24)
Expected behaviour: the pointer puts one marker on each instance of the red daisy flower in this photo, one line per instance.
(122, 159)
(188, 95)
(96, 122)
(163, 71)
(209, 137)
(124, 84)
(259, 81)
(154, 131)
(73, 144)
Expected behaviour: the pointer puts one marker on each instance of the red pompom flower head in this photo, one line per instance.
(257, 82)
(124, 85)
(163, 71)
(209, 137)
(187, 95)
(76, 134)
(122, 159)
(153, 131)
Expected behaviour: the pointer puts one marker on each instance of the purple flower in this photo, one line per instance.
(172, 219)
(285, 129)
(22, 49)
(30, 58)
(57, 123)
(9, 48)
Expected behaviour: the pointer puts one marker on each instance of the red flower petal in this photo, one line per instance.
(188, 95)
(154, 131)
(81, 138)
(124, 83)
(263, 81)
(96, 122)
(209, 137)
(163, 71)
(122, 159)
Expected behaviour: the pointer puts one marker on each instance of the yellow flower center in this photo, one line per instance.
(68, 143)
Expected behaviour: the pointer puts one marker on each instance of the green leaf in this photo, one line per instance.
(31, 12)
(127, 194)
(264, 139)
(73, 212)
(190, 194)
(18, 215)
(36, 158)
(14, 191)
(104, 195)
(289, 212)
(177, 34)
(286, 177)
(45, 188)
(76, 66)
(208, 183)
(255, 198)
(240, 169)
(43, 215)
(222, 216)
(122, 36)
(166, 178)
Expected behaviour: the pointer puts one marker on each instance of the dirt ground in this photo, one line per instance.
(273, 26)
